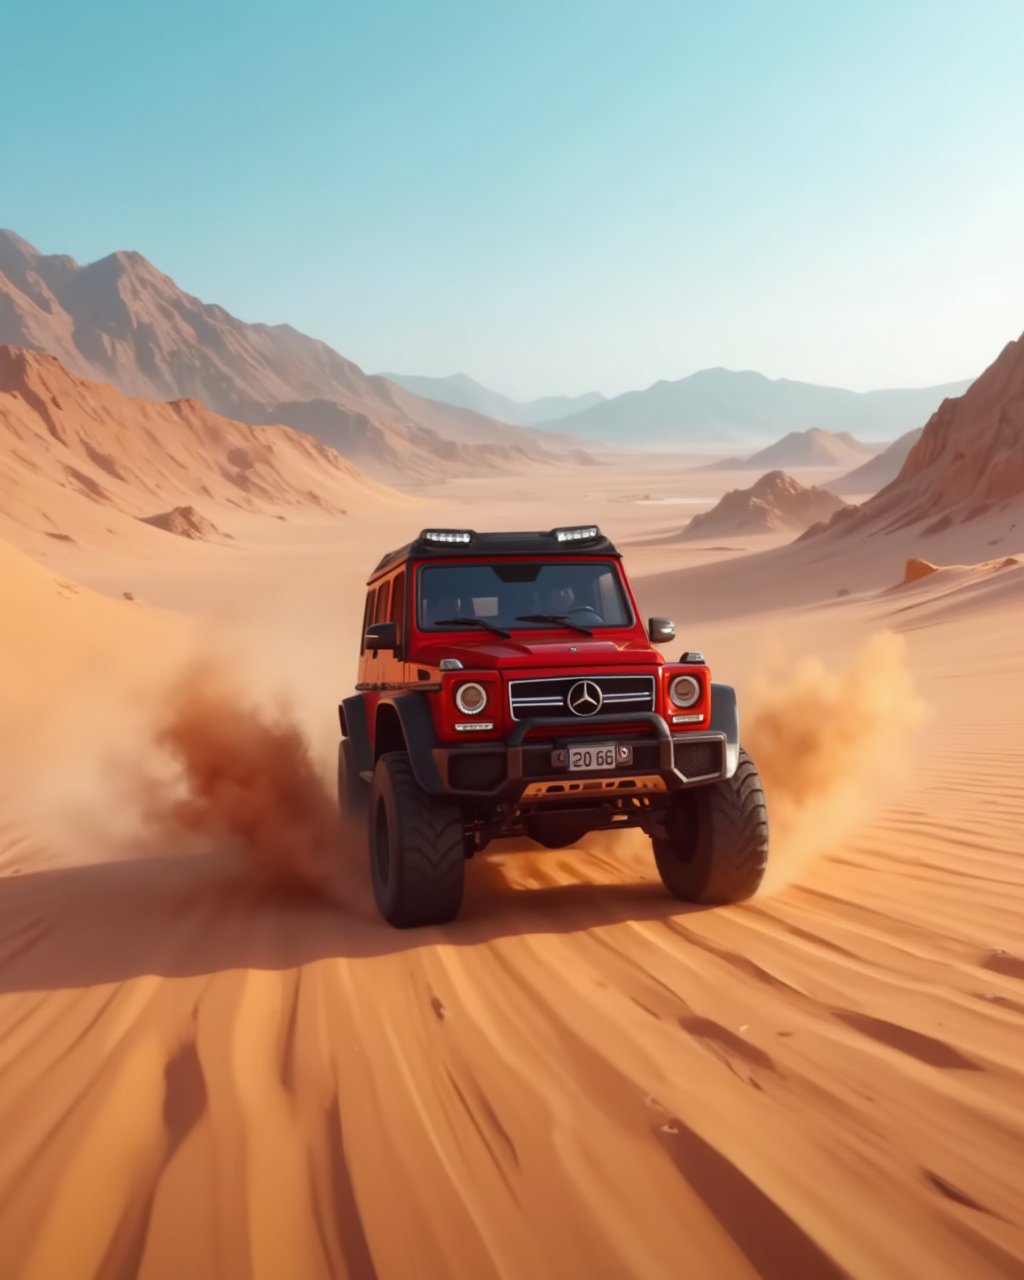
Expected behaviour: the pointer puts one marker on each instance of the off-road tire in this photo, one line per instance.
(352, 790)
(417, 853)
(714, 848)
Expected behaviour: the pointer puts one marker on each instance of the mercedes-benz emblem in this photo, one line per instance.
(584, 698)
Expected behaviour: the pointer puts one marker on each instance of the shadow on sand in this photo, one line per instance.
(185, 916)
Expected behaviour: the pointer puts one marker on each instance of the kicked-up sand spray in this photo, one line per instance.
(828, 743)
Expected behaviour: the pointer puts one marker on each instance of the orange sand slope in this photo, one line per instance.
(76, 457)
(206, 1073)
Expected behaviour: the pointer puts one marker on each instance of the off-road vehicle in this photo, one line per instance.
(507, 687)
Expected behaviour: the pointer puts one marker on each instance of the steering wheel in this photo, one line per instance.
(585, 608)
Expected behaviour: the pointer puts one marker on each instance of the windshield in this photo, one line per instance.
(522, 596)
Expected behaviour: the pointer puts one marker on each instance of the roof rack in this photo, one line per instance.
(566, 540)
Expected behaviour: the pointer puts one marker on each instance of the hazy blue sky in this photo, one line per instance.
(550, 195)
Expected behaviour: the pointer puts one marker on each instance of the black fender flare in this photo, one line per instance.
(725, 718)
(417, 726)
(418, 734)
(352, 716)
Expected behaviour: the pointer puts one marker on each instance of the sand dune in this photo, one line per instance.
(958, 589)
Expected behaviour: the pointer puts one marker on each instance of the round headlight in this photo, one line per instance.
(684, 691)
(471, 699)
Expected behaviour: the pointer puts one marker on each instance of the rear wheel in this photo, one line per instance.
(417, 848)
(714, 847)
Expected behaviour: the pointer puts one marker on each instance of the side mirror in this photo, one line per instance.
(661, 630)
(382, 635)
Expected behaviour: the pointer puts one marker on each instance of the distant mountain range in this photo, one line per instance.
(122, 321)
(119, 320)
(467, 393)
(723, 405)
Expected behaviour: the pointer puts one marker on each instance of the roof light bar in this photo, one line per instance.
(447, 535)
(579, 533)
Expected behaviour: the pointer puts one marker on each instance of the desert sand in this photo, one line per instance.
(207, 1072)
(215, 1061)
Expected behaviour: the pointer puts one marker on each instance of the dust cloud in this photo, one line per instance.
(227, 750)
(204, 749)
(830, 746)
(242, 780)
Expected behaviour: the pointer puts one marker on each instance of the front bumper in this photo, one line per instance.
(520, 770)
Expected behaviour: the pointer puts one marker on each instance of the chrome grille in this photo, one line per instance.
(620, 695)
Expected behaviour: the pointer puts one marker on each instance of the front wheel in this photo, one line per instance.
(417, 848)
(714, 845)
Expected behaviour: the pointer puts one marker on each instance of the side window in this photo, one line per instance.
(380, 614)
(398, 604)
(371, 596)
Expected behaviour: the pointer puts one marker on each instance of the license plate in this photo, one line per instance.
(600, 755)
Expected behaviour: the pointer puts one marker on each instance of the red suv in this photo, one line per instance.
(507, 687)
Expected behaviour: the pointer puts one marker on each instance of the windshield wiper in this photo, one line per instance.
(559, 619)
(472, 622)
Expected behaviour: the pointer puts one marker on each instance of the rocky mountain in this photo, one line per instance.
(467, 393)
(122, 321)
(775, 503)
(968, 463)
(724, 405)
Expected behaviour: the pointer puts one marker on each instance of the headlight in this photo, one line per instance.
(471, 699)
(684, 691)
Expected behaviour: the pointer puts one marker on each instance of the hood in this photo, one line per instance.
(491, 652)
